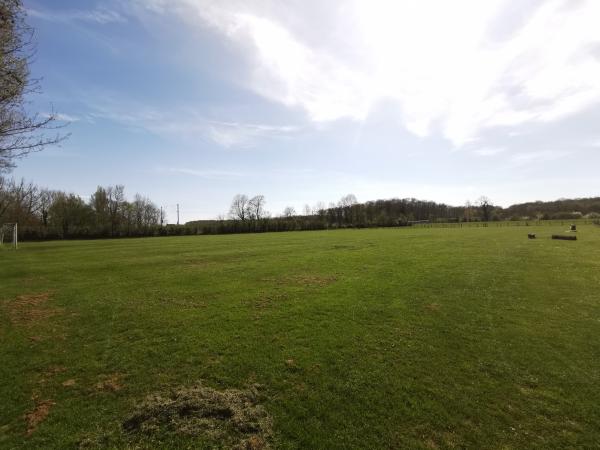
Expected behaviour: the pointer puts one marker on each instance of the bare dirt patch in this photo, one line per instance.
(110, 383)
(69, 382)
(30, 309)
(230, 418)
(38, 414)
(432, 307)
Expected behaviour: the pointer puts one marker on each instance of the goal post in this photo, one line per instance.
(9, 235)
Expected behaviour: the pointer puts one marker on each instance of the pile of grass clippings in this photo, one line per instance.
(230, 418)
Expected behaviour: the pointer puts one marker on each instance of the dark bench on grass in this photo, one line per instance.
(531, 235)
(565, 238)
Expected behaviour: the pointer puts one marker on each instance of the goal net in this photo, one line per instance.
(8, 235)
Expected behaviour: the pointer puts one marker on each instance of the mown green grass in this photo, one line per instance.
(400, 338)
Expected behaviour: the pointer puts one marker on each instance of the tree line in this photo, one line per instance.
(346, 213)
(51, 214)
(349, 213)
(587, 208)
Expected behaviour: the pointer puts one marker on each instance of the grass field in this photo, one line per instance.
(378, 338)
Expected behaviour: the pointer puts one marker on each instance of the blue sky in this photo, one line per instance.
(193, 101)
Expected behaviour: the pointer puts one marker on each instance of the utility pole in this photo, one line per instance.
(177, 213)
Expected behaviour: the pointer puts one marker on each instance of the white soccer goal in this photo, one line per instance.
(9, 235)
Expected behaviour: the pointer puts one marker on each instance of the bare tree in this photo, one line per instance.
(28, 200)
(116, 197)
(348, 200)
(45, 203)
(319, 208)
(137, 207)
(239, 207)
(20, 131)
(256, 207)
(99, 204)
(468, 210)
(485, 205)
(289, 211)
(150, 213)
(5, 197)
(68, 211)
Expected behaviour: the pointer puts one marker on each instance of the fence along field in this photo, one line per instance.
(372, 338)
(507, 223)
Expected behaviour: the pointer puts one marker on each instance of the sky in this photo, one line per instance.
(191, 102)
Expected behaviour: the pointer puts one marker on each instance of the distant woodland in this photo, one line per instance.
(107, 212)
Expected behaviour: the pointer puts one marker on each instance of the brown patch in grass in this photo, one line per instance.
(38, 414)
(430, 443)
(254, 443)
(230, 418)
(450, 439)
(267, 299)
(110, 383)
(50, 372)
(30, 309)
(291, 365)
(53, 370)
(432, 307)
(69, 382)
(526, 390)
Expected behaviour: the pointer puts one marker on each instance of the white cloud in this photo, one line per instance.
(225, 134)
(67, 117)
(62, 117)
(99, 15)
(187, 124)
(446, 63)
(235, 134)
